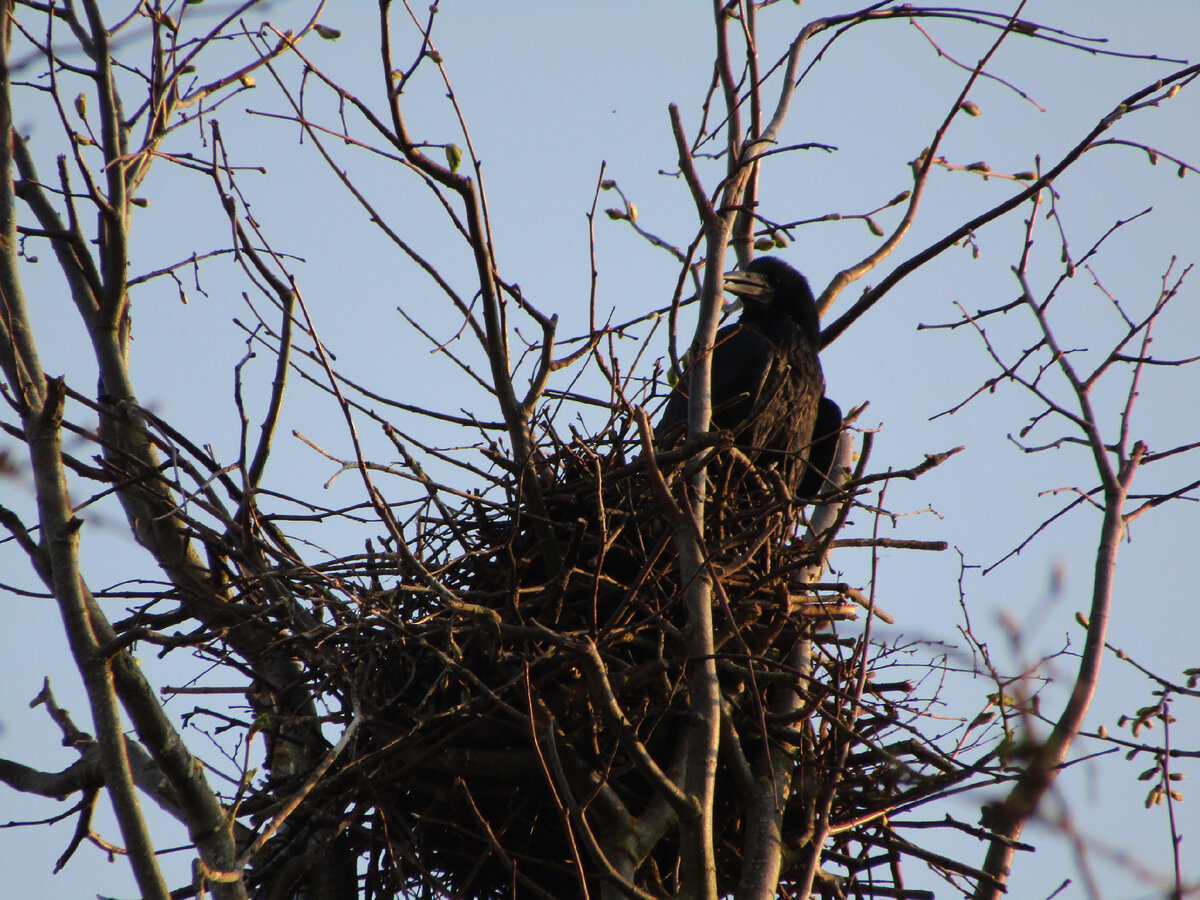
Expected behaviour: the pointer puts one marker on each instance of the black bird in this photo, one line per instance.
(767, 384)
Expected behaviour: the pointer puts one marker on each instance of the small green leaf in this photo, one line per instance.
(971, 108)
(615, 214)
(874, 226)
(330, 34)
(982, 719)
(453, 156)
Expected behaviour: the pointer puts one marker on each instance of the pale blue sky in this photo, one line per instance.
(550, 90)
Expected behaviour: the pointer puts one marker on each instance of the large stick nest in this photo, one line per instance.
(487, 676)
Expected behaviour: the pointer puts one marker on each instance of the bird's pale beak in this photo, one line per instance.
(750, 286)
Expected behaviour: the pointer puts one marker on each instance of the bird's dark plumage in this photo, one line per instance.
(767, 384)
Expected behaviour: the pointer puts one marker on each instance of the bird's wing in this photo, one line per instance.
(741, 360)
(822, 452)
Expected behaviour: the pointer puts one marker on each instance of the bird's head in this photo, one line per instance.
(769, 288)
